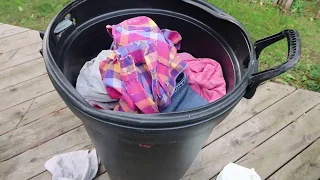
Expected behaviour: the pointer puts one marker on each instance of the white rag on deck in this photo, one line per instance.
(78, 165)
(235, 172)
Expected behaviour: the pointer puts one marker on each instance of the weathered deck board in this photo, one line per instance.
(31, 162)
(43, 176)
(10, 118)
(9, 30)
(30, 111)
(247, 136)
(43, 106)
(25, 91)
(21, 73)
(104, 176)
(35, 133)
(19, 41)
(305, 166)
(267, 94)
(278, 150)
(20, 56)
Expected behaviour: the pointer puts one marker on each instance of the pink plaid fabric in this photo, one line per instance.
(143, 68)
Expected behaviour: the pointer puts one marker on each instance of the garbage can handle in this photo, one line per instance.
(294, 54)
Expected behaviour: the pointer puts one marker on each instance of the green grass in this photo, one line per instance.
(35, 14)
(260, 21)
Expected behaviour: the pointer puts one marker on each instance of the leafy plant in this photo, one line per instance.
(298, 6)
(313, 85)
(314, 82)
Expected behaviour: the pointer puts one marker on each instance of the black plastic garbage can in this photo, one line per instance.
(157, 146)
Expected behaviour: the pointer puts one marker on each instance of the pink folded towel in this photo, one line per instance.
(205, 77)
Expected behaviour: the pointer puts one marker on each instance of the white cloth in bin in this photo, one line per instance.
(235, 172)
(78, 165)
(90, 85)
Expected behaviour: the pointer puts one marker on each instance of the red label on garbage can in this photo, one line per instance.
(145, 145)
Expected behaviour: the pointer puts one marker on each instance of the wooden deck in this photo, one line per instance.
(277, 132)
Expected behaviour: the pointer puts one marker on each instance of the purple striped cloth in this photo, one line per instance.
(142, 70)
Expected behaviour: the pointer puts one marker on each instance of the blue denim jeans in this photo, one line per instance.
(184, 98)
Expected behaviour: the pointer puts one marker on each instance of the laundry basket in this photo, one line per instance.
(156, 146)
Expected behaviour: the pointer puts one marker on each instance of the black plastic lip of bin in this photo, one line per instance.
(160, 121)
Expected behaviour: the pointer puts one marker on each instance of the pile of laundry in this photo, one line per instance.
(143, 72)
